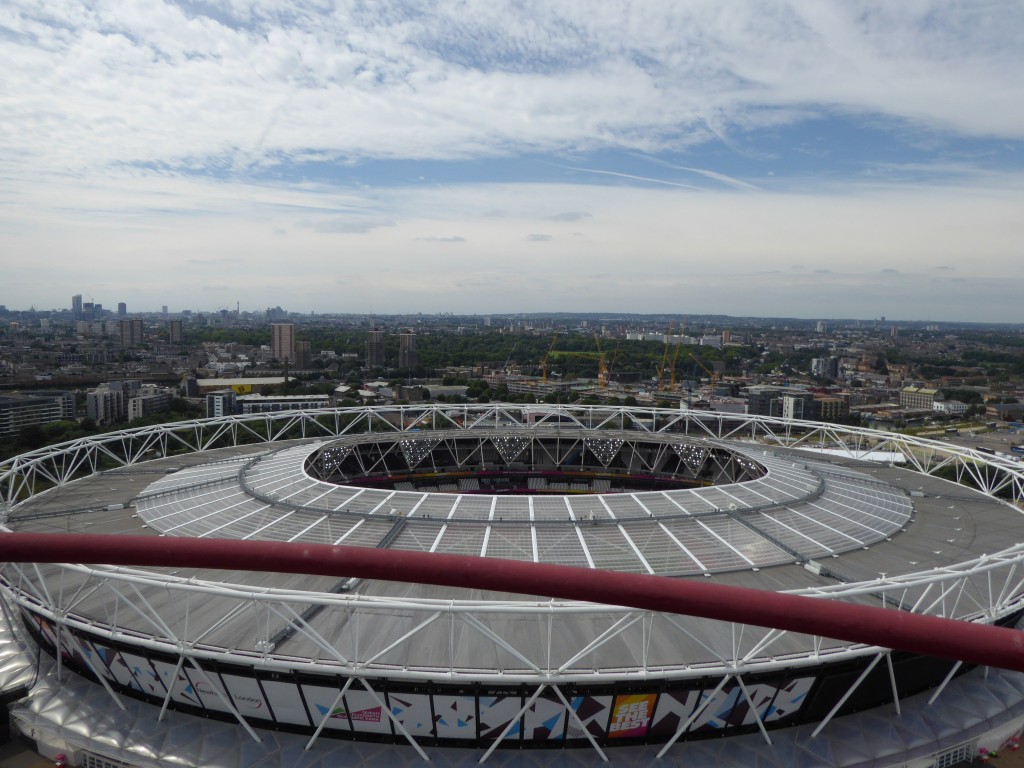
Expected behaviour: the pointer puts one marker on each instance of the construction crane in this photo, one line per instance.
(675, 356)
(609, 366)
(599, 356)
(504, 368)
(712, 375)
(544, 362)
(602, 368)
(664, 368)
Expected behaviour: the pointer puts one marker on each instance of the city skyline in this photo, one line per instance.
(794, 160)
(399, 320)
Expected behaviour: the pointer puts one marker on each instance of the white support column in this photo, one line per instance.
(401, 728)
(512, 722)
(753, 708)
(327, 714)
(892, 682)
(60, 653)
(227, 701)
(696, 713)
(847, 695)
(945, 682)
(572, 714)
(170, 688)
(104, 683)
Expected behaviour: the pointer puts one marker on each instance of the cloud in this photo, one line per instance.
(241, 87)
(714, 175)
(632, 176)
(214, 262)
(347, 226)
(569, 216)
(279, 128)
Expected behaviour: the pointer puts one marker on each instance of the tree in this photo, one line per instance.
(32, 436)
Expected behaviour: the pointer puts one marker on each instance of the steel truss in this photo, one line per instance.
(984, 589)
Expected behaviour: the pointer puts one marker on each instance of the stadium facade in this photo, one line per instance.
(838, 514)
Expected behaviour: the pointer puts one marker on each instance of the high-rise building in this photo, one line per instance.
(76, 306)
(825, 367)
(163, 309)
(375, 348)
(122, 309)
(175, 332)
(282, 341)
(407, 349)
(131, 332)
(303, 355)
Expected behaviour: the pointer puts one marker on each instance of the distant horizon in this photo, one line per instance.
(623, 315)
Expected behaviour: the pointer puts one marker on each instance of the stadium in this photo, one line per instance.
(273, 665)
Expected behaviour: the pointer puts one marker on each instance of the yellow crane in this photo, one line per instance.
(544, 362)
(602, 368)
(663, 368)
(675, 356)
(605, 374)
(712, 375)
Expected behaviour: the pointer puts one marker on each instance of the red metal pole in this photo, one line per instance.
(889, 628)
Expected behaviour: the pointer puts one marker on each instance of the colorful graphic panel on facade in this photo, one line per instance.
(789, 699)
(631, 716)
(413, 711)
(496, 712)
(544, 720)
(455, 716)
(674, 708)
(592, 711)
(325, 706)
(366, 712)
(716, 714)
(150, 680)
(116, 668)
(169, 677)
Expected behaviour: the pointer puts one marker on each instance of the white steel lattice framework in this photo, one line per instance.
(363, 637)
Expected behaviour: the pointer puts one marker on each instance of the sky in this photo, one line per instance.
(780, 159)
